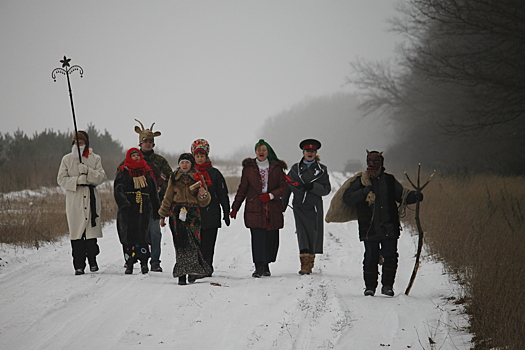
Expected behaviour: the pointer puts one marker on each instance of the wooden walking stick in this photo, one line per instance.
(418, 189)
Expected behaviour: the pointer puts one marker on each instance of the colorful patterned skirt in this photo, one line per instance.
(186, 239)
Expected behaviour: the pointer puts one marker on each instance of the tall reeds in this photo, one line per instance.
(475, 225)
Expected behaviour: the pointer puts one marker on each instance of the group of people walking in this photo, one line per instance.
(193, 201)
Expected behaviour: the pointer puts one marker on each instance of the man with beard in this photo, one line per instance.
(375, 195)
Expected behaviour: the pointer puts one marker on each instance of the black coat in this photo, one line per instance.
(211, 214)
(308, 205)
(133, 226)
(381, 220)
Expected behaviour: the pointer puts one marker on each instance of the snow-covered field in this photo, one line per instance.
(43, 305)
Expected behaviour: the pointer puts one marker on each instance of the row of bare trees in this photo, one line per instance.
(29, 162)
(456, 95)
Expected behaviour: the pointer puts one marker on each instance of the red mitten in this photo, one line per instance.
(265, 197)
(233, 214)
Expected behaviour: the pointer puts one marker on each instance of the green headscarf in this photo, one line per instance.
(272, 157)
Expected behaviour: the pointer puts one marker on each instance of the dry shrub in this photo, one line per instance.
(476, 226)
(28, 221)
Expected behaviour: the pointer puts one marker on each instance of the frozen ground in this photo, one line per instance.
(44, 306)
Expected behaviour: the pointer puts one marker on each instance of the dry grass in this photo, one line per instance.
(28, 221)
(476, 226)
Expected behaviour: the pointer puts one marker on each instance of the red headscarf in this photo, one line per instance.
(136, 168)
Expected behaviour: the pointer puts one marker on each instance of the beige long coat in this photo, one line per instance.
(78, 210)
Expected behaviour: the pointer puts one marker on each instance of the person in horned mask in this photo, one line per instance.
(83, 205)
(376, 195)
(162, 171)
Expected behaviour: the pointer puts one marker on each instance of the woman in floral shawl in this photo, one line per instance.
(185, 195)
(137, 199)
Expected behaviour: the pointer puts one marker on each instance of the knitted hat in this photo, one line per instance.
(200, 145)
(187, 156)
(146, 134)
(82, 135)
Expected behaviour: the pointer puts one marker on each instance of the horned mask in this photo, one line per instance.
(145, 134)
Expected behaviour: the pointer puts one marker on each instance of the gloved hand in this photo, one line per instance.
(233, 214)
(82, 180)
(82, 168)
(265, 197)
(419, 196)
(226, 219)
(308, 186)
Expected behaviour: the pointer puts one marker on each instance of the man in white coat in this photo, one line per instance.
(83, 204)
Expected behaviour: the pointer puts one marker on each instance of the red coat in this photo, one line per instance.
(256, 213)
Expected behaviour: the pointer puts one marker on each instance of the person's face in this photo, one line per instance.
(309, 154)
(147, 145)
(185, 165)
(80, 143)
(262, 153)
(200, 158)
(135, 156)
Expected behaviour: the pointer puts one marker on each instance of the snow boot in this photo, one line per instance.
(387, 290)
(306, 264)
(79, 272)
(312, 256)
(369, 292)
(144, 268)
(93, 268)
(389, 273)
(129, 266)
(266, 271)
(182, 280)
(259, 270)
(155, 267)
(370, 277)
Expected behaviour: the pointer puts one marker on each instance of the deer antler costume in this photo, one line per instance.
(146, 134)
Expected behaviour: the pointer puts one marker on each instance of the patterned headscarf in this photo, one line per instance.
(272, 157)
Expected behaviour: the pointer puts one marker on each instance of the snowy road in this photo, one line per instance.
(44, 306)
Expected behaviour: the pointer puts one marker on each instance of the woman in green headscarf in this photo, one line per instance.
(263, 183)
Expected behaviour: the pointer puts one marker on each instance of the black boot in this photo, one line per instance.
(259, 270)
(388, 277)
(266, 271)
(370, 277)
(129, 266)
(144, 268)
(182, 280)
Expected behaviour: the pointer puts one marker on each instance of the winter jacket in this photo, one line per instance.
(256, 213)
(211, 214)
(78, 209)
(132, 224)
(381, 219)
(178, 191)
(308, 205)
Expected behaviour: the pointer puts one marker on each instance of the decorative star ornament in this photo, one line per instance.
(65, 62)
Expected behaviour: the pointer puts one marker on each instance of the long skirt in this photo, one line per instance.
(186, 239)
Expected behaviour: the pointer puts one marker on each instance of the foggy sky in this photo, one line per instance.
(198, 69)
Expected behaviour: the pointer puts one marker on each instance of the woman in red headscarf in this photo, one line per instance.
(137, 199)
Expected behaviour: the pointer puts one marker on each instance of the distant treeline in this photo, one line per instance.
(456, 95)
(29, 162)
